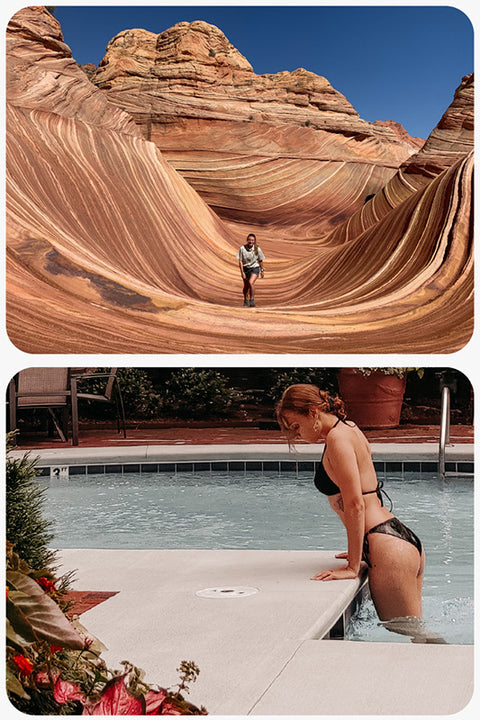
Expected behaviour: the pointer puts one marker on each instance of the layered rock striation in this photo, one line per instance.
(110, 249)
(448, 144)
(257, 148)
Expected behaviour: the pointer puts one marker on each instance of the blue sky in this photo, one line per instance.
(393, 62)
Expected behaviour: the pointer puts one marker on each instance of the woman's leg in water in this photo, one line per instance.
(395, 577)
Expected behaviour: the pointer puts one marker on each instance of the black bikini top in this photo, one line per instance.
(325, 484)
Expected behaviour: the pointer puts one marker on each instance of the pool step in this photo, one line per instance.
(338, 629)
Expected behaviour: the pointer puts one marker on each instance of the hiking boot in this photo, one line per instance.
(252, 303)
(246, 303)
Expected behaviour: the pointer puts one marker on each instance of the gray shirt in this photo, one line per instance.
(248, 257)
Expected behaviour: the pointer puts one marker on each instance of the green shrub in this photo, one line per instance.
(324, 378)
(192, 393)
(139, 397)
(26, 529)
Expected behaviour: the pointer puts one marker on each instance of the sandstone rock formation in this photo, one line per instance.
(449, 143)
(260, 149)
(110, 249)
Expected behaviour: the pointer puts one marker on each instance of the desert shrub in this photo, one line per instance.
(26, 528)
(193, 393)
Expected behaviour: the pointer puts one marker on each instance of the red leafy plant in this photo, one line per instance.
(53, 667)
(123, 694)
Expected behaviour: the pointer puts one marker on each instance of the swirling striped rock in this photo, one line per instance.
(110, 249)
(43, 75)
(448, 143)
(284, 150)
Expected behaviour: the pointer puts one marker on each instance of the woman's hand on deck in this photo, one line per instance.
(346, 573)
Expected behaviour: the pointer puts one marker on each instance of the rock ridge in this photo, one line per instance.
(199, 100)
(47, 77)
(199, 55)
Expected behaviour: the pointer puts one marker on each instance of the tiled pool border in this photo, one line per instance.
(382, 467)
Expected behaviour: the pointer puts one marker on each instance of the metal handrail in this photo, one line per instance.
(444, 429)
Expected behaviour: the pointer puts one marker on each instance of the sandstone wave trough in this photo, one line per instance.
(130, 189)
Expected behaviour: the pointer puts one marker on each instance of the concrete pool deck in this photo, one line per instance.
(259, 654)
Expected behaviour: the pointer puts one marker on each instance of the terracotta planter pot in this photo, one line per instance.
(372, 401)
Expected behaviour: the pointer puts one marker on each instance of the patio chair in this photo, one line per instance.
(111, 394)
(41, 388)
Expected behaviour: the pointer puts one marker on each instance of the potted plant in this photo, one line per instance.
(374, 395)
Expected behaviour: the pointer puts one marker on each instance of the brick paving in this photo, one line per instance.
(93, 436)
(83, 600)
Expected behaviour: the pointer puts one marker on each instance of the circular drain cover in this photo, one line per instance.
(227, 592)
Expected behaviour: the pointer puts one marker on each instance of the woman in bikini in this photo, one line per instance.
(250, 261)
(346, 474)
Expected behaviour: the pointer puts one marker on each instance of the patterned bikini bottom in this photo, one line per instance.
(394, 527)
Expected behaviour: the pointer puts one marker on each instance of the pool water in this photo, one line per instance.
(272, 511)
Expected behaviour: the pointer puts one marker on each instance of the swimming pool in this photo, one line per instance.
(271, 511)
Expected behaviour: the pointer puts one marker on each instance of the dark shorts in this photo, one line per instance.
(251, 271)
